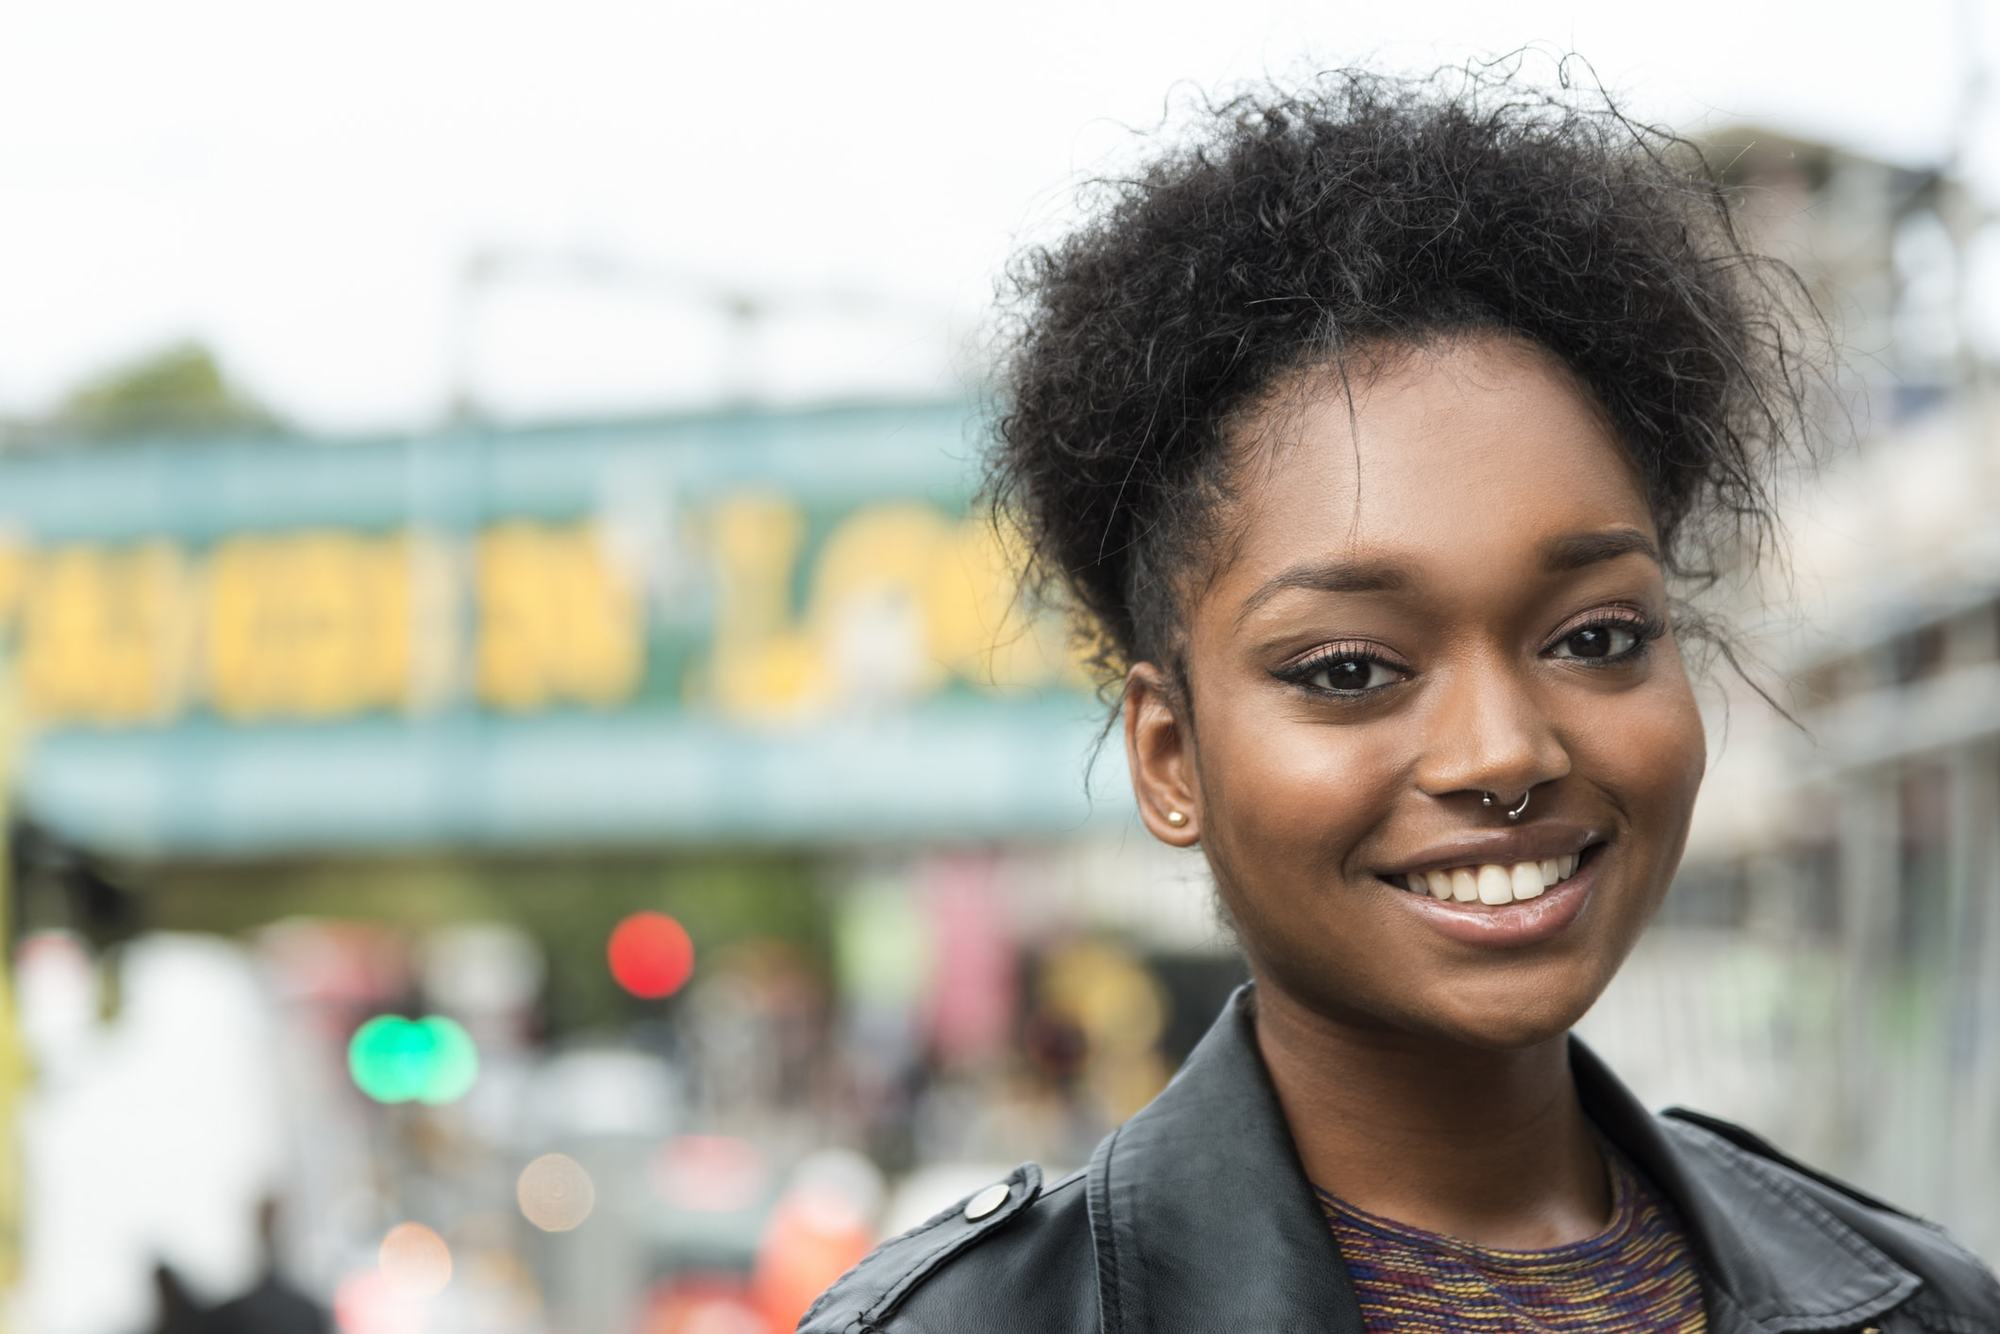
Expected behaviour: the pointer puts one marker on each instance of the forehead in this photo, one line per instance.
(1460, 460)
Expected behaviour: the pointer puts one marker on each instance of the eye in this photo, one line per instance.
(1602, 641)
(1346, 673)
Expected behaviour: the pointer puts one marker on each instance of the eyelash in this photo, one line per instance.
(1644, 628)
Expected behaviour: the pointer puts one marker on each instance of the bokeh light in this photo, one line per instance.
(710, 1173)
(555, 1193)
(454, 1061)
(388, 1056)
(817, 1230)
(415, 1259)
(702, 1304)
(369, 1302)
(431, 1060)
(651, 955)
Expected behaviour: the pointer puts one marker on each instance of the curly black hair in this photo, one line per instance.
(1307, 226)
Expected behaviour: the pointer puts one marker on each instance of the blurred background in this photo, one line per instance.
(533, 806)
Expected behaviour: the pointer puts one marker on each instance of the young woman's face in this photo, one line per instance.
(1450, 592)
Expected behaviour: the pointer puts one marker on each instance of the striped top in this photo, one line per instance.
(1635, 1277)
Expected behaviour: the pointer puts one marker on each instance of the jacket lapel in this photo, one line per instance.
(1200, 1213)
(1771, 1259)
(1202, 1219)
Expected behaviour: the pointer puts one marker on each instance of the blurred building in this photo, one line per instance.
(1828, 967)
(423, 720)
(775, 628)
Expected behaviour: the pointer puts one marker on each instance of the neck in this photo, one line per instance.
(1491, 1147)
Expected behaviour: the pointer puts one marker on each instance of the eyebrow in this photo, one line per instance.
(1560, 555)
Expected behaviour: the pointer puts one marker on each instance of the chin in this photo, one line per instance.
(1510, 1018)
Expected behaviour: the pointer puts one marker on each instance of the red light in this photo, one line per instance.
(651, 955)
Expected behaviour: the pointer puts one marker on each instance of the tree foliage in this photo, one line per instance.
(178, 390)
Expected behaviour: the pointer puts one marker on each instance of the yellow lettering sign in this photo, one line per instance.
(103, 634)
(556, 620)
(902, 599)
(898, 601)
(307, 625)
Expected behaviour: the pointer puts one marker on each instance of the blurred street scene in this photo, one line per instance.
(600, 870)
(1828, 965)
(602, 874)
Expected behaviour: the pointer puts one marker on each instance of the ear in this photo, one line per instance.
(1159, 751)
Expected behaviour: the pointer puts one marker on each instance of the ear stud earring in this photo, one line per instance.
(1176, 819)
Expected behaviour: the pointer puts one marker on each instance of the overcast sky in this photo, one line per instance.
(300, 185)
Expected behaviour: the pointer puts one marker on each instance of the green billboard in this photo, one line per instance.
(747, 626)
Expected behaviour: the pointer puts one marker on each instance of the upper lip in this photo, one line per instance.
(1534, 843)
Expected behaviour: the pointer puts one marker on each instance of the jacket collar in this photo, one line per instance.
(1202, 1217)
(1769, 1256)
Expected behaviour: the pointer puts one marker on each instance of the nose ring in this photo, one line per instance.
(1488, 799)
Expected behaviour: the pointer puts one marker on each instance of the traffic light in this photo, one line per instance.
(432, 1060)
(651, 955)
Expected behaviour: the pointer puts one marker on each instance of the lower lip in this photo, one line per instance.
(1526, 922)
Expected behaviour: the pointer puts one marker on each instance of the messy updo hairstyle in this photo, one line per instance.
(1303, 227)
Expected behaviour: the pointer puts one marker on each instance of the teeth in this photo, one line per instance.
(1527, 880)
(1491, 882)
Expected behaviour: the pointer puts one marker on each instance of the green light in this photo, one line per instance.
(389, 1057)
(454, 1064)
(431, 1060)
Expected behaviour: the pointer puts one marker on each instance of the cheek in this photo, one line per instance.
(1672, 736)
(1649, 754)
(1285, 799)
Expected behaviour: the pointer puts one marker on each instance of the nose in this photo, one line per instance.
(1489, 732)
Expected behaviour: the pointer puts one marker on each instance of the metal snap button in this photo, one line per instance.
(986, 1201)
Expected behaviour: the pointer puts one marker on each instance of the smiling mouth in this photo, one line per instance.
(1493, 884)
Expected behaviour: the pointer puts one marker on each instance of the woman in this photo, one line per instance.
(1377, 436)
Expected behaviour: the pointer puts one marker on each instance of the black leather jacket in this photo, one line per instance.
(1194, 1217)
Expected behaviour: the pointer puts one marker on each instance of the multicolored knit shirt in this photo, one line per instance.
(1635, 1277)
